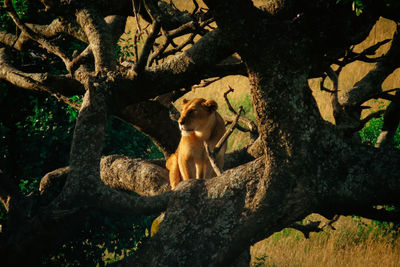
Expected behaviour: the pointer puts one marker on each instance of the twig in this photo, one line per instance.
(190, 27)
(371, 116)
(148, 45)
(322, 87)
(206, 82)
(352, 56)
(330, 222)
(196, 7)
(227, 100)
(211, 158)
(251, 126)
(212, 154)
(136, 12)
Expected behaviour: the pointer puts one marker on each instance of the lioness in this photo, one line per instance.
(199, 121)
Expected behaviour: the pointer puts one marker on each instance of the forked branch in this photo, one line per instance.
(251, 126)
(48, 45)
(212, 154)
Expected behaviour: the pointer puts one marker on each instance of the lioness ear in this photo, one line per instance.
(211, 105)
(185, 101)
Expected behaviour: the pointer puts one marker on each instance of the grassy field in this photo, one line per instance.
(355, 242)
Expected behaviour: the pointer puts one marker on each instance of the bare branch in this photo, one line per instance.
(212, 154)
(351, 56)
(60, 86)
(190, 27)
(228, 103)
(211, 158)
(48, 45)
(148, 45)
(371, 83)
(251, 126)
(376, 114)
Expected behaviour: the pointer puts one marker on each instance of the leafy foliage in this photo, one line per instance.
(125, 47)
(103, 239)
(372, 129)
(21, 6)
(36, 140)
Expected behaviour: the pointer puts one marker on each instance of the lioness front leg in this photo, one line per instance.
(174, 175)
(187, 169)
(200, 170)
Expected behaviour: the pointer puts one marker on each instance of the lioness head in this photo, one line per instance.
(197, 115)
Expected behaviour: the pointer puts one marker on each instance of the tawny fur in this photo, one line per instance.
(199, 122)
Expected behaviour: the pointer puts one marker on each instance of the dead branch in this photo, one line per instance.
(251, 126)
(228, 103)
(322, 86)
(212, 154)
(196, 7)
(211, 158)
(352, 56)
(148, 45)
(191, 27)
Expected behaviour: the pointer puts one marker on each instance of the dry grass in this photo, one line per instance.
(354, 243)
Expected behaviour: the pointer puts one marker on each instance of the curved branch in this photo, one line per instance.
(181, 71)
(61, 86)
(50, 46)
(100, 38)
(370, 85)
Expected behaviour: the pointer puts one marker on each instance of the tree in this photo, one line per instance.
(306, 164)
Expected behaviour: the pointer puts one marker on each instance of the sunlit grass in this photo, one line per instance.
(355, 242)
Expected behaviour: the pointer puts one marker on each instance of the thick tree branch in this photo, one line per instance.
(100, 38)
(116, 26)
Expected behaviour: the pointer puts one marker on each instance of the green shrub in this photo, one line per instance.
(372, 129)
(35, 138)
